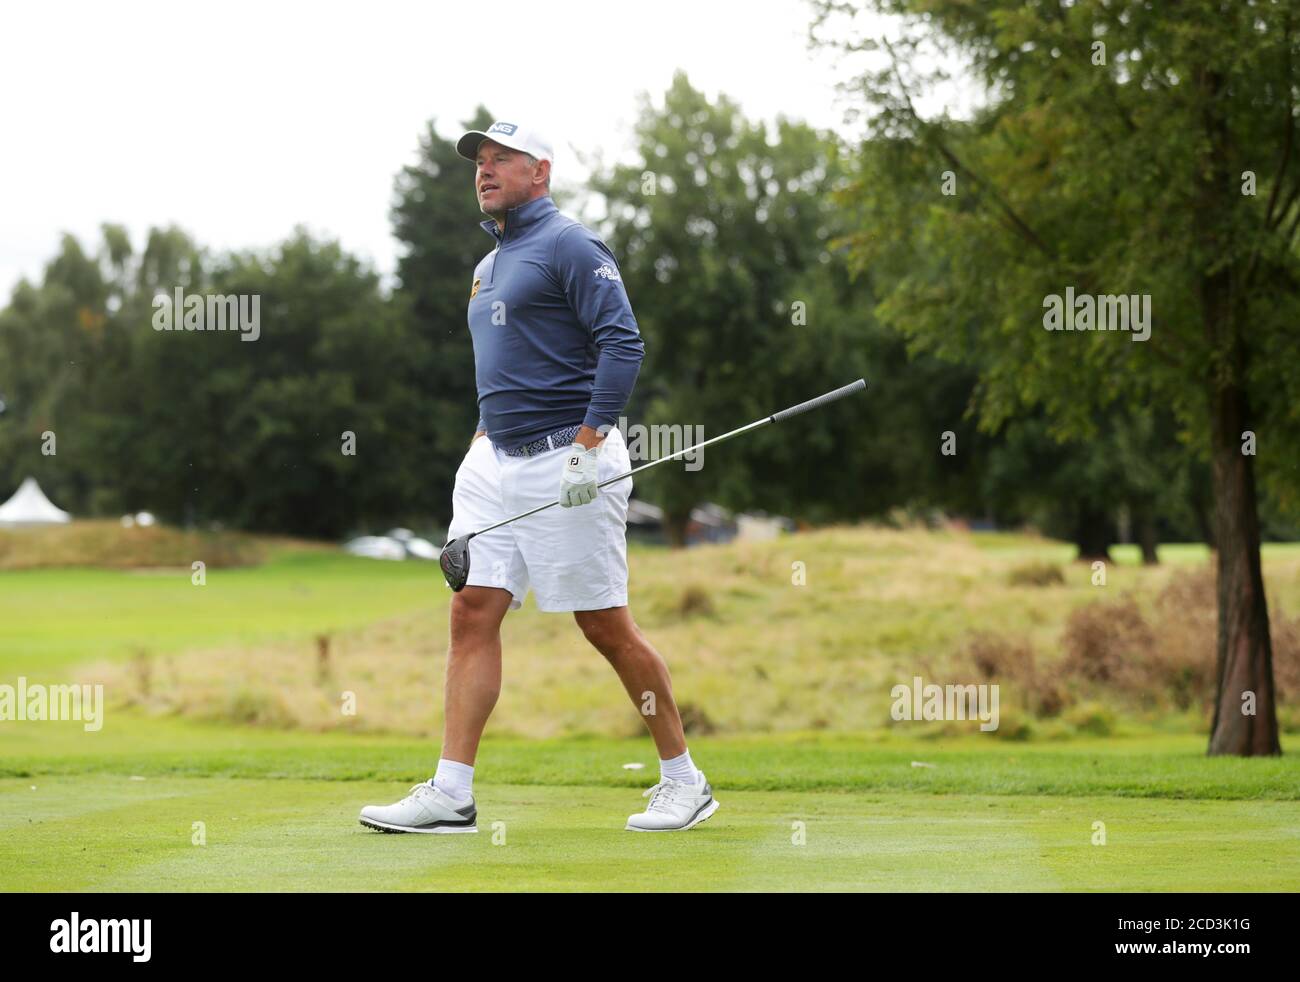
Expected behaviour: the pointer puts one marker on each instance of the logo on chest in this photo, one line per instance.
(473, 290)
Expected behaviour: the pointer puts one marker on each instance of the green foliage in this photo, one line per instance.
(1096, 176)
(724, 230)
(766, 263)
(203, 426)
(436, 218)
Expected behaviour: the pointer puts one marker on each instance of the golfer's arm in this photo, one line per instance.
(589, 437)
(601, 306)
(616, 371)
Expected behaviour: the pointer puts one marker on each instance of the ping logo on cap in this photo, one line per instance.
(507, 128)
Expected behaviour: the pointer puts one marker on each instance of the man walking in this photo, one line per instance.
(556, 354)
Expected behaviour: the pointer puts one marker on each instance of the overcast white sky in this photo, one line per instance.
(239, 120)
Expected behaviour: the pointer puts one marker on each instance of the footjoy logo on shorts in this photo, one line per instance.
(506, 128)
(608, 271)
(75, 936)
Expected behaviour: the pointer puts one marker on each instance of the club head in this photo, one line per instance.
(454, 561)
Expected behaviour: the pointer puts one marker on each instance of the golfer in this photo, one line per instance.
(556, 354)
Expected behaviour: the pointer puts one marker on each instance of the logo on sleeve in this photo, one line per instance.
(608, 272)
(473, 291)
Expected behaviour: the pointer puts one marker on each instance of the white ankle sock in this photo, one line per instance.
(454, 778)
(679, 769)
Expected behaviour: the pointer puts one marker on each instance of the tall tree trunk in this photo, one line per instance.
(675, 525)
(1245, 650)
(1143, 512)
(1147, 537)
(1092, 533)
(1245, 718)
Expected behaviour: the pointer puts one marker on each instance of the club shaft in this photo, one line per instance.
(802, 407)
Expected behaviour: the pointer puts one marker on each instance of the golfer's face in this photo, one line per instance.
(503, 178)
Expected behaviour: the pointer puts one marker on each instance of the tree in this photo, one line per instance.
(54, 340)
(1079, 489)
(723, 231)
(204, 426)
(436, 217)
(1113, 155)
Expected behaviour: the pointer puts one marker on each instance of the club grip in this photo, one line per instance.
(821, 400)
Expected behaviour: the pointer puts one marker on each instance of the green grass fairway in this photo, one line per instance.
(114, 811)
(53, 618)
(113, 834)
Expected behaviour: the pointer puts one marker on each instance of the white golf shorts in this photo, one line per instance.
(573, 558)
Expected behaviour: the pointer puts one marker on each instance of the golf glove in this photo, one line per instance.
(578, 483)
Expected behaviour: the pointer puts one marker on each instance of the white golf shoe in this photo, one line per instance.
(425, 809)
(675, 806)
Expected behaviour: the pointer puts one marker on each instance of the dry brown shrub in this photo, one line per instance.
(1036, 574)
(1286, 657)
(1108, 643)
(1170, 659)
(1008, 661)
(1181, 666)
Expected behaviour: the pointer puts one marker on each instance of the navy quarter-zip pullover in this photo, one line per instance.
(555, 340)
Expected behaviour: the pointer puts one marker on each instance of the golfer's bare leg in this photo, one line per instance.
(615, 635)
(473, 668)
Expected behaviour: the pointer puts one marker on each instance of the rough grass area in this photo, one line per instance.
(751, 650)
(107, 545)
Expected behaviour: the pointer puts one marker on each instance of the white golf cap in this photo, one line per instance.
(512, 135)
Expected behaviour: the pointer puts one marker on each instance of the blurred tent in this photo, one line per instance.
(376, 547)
(415, 547)
(399, 543)
(29, 506)
(422, 549)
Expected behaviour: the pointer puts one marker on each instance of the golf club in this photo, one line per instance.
(454, 559)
